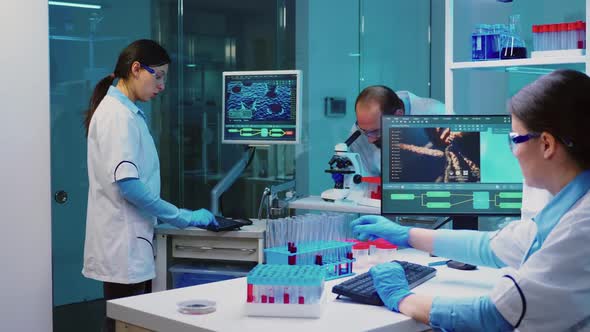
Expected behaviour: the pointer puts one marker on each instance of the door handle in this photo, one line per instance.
(61, 197)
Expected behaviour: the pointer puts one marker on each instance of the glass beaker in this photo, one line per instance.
(513, 46)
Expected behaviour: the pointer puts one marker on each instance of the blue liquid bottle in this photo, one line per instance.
(494, 41)
(478, 42)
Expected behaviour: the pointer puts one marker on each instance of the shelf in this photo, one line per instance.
(467, 80)
(505, 64)
(316, 203)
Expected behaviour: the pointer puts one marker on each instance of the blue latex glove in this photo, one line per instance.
(371, 227)
(467, 314)
(138, 194)
(391, 284)
(466, 246)
(202, 218)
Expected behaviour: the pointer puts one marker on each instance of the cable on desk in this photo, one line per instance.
(265, 193)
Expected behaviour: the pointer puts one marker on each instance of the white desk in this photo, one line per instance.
(317, 203)
(157, 311)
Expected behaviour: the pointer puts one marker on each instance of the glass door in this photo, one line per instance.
(84, 45)
(204, 38)
(214, 36)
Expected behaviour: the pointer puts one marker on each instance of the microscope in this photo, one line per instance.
(347, 172)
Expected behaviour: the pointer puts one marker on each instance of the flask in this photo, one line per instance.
(514, 46)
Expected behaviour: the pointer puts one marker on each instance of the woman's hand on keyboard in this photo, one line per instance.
(391, 284)
(371, 227)
(202, 218)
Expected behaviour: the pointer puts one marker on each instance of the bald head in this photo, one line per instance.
(388, 101)
(373, 102)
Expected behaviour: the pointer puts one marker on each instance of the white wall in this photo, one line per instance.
(25, 247)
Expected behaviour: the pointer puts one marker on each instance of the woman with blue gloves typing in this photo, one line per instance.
(124, 176)
(548, 287)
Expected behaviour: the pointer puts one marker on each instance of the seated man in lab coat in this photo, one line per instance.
(377, 100)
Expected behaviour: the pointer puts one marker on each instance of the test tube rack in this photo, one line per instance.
(285, 291)
(334, 256)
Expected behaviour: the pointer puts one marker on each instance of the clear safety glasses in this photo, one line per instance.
(514, 139)
(375, 133)
(159, 77)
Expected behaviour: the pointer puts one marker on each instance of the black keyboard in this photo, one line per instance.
(361, 289)
(226, 224)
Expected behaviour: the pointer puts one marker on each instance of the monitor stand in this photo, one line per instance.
(460, 222)
(463, 222)
(231, 176)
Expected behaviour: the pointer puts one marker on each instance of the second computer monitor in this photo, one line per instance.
(449, 165)
(261, 107)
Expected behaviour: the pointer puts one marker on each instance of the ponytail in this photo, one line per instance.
(100, 90)
(144, 51)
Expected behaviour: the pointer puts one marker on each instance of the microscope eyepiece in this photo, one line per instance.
(353, 137)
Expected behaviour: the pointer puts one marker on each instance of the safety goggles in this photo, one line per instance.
(514, 139)
(159, 77)
(375, 133)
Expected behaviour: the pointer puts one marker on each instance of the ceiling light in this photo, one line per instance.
(74, 4)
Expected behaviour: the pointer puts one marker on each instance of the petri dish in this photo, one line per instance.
(196, 307)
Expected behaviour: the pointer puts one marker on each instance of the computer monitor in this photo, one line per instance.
(261, 107)
(449, 166)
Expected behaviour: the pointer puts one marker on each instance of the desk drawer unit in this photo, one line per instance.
(235, 249)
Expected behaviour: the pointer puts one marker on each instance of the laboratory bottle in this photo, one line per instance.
(478, 42)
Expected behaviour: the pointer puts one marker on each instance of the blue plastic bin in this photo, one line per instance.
(184, 275)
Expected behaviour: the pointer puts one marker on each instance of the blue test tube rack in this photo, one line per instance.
(285, 284)
(334, 256)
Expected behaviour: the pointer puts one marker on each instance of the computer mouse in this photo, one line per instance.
(460, 265)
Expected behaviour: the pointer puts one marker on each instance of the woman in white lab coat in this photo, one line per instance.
(548, 287)
(124, 176)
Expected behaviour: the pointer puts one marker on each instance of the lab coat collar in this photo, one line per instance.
(117, 94)
(405, 97)
(557, 207)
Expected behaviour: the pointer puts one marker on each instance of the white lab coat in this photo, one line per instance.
(533, 201)
(118, 246)
(555, 280)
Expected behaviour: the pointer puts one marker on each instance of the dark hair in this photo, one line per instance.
(388, 100)
(144, 51)
(558, 103)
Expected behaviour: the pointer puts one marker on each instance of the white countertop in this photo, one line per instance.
(157, 311)
(256, 230)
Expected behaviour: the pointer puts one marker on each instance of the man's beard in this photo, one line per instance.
(377, 143)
